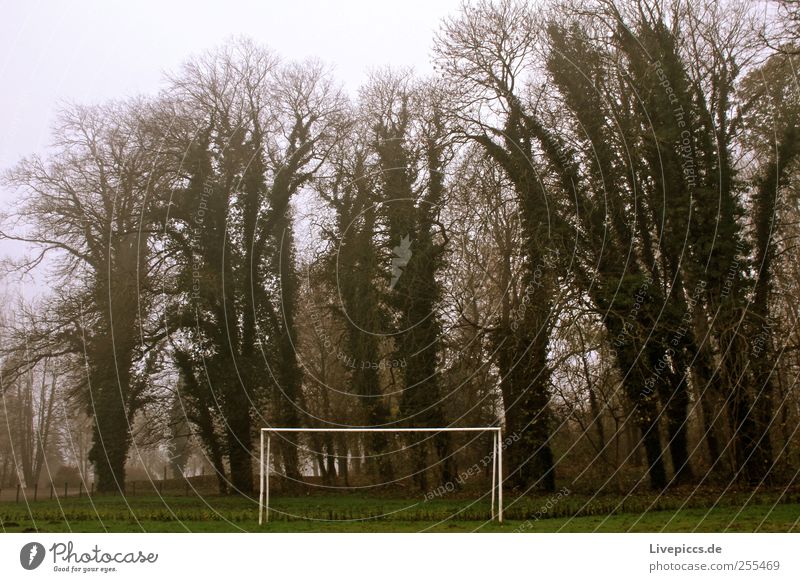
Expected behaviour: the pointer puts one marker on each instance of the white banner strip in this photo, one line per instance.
(399, 557)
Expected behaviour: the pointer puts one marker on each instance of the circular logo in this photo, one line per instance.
(31, 555)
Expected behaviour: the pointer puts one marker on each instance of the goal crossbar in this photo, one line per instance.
(497, 459)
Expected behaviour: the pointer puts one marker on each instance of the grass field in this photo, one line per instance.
(709, 512)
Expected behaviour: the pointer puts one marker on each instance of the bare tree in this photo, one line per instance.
(90, 205)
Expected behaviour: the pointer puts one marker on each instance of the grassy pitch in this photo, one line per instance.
(777, 511)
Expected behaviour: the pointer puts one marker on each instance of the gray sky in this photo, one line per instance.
(89, 51)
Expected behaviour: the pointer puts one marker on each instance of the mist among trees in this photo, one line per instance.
(583, 227)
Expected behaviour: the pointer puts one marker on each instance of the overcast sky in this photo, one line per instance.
(89, 51)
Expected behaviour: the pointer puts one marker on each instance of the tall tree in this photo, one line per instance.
(91, 205)
(354, 273)
(772, 129)
(484, 54)
(409, 140)
(246, 134)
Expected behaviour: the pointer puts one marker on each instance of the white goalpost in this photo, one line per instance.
(497, 459)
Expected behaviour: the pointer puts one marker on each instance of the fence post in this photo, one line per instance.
(80, 488)
(92, 488)
(36, 492)
(51, 490)
(17, 492)
(66, 491)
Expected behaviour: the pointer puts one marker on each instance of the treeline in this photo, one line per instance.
(582, 227)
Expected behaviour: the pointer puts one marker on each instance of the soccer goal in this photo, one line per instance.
(497, 459)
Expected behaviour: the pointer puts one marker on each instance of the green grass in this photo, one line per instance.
(736, 511)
